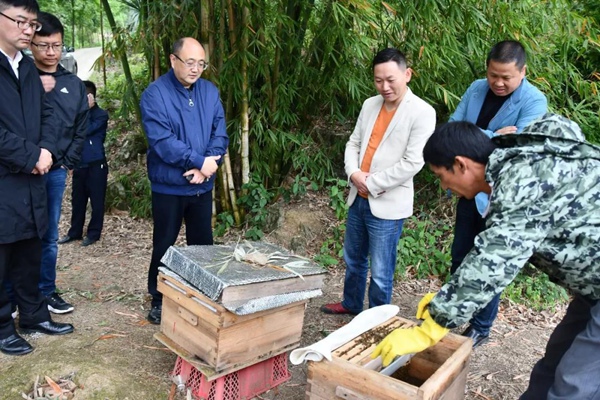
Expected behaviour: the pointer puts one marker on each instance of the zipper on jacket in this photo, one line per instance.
(191, 102)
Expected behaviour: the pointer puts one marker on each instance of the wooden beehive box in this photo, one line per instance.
(439, 372)
(203, 331)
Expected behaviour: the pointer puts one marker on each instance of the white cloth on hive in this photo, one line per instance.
(364, 321)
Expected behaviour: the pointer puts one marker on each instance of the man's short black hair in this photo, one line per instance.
(29, 5)
(50, 25)
(90, 87)
(390, 54)
(458, 138)
(507, 52)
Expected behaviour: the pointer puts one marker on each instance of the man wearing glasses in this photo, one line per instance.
(27, 144)
(184, 121)
(68, 97)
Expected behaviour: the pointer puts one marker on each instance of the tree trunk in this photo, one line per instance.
(124, 60)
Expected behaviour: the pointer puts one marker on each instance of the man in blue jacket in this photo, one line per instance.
(67, 94)
(27, 144)
(90, 176)
(184, 121)
(503, 103)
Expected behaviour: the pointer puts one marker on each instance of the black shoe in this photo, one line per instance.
(87, 241)
(15, 345)
(48, 328)
(57, 305)
(66, 239)
(478, 338)
(155, 314)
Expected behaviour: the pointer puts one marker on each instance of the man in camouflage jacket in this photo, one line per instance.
(544, 187)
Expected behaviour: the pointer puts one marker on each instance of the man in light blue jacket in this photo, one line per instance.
(503, 103)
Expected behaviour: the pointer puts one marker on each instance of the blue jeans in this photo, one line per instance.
(369, 237)
(570, 367)
(55, 188)
(469, 223)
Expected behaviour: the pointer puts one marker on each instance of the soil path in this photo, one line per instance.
(112, 354)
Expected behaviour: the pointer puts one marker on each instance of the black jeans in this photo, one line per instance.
(168, 213)
(469, 223)
(20, 264)
(88, 183)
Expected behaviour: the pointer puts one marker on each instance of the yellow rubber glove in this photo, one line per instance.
(421, 308)
(409, 340)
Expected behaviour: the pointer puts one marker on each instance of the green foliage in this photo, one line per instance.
(298, 188)
(224, 222)
(332, 249)
(255, 200)
(424, 249)
(118, 91)
(130, 191)
(83, 19)
(337, 197)
(534, 287)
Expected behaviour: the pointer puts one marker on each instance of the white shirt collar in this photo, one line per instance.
(14, 63)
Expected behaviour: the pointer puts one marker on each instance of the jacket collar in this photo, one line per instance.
(517, 95)
(177, 84)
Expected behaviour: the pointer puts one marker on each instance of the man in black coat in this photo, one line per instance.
(27, 145)
(68, 97)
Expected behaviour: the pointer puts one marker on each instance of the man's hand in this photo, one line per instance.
(194, 176)
(506, 130)
(44, 163)
(359, 179)
(411, 340)
(91, 100)
(210, 166)
(48, 82)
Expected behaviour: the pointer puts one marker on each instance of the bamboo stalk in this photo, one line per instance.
(244, 107)
(236, 211)
(223, 186)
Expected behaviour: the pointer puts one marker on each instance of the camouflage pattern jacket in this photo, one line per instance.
(544, 208)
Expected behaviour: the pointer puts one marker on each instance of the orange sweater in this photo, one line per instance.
(381, 124)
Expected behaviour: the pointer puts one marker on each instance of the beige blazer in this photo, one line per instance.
(397, 159)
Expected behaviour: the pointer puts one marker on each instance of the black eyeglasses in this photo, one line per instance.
(23, 25)
(44, 47)
(191, 63)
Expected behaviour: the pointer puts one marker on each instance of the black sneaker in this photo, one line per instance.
(57, 305)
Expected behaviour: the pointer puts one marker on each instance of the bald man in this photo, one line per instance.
(184, 121)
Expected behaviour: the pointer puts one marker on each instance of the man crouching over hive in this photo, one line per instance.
(544, 188)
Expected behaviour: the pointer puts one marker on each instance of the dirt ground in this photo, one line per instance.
(113, 355)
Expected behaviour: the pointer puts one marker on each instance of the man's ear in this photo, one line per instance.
(461, 164)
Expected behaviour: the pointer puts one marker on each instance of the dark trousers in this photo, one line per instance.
(469, 223)
(570, 367)
(88, 183)
(168, 212)
(20, 264)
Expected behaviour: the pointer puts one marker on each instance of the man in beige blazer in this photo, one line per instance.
(383, 154)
